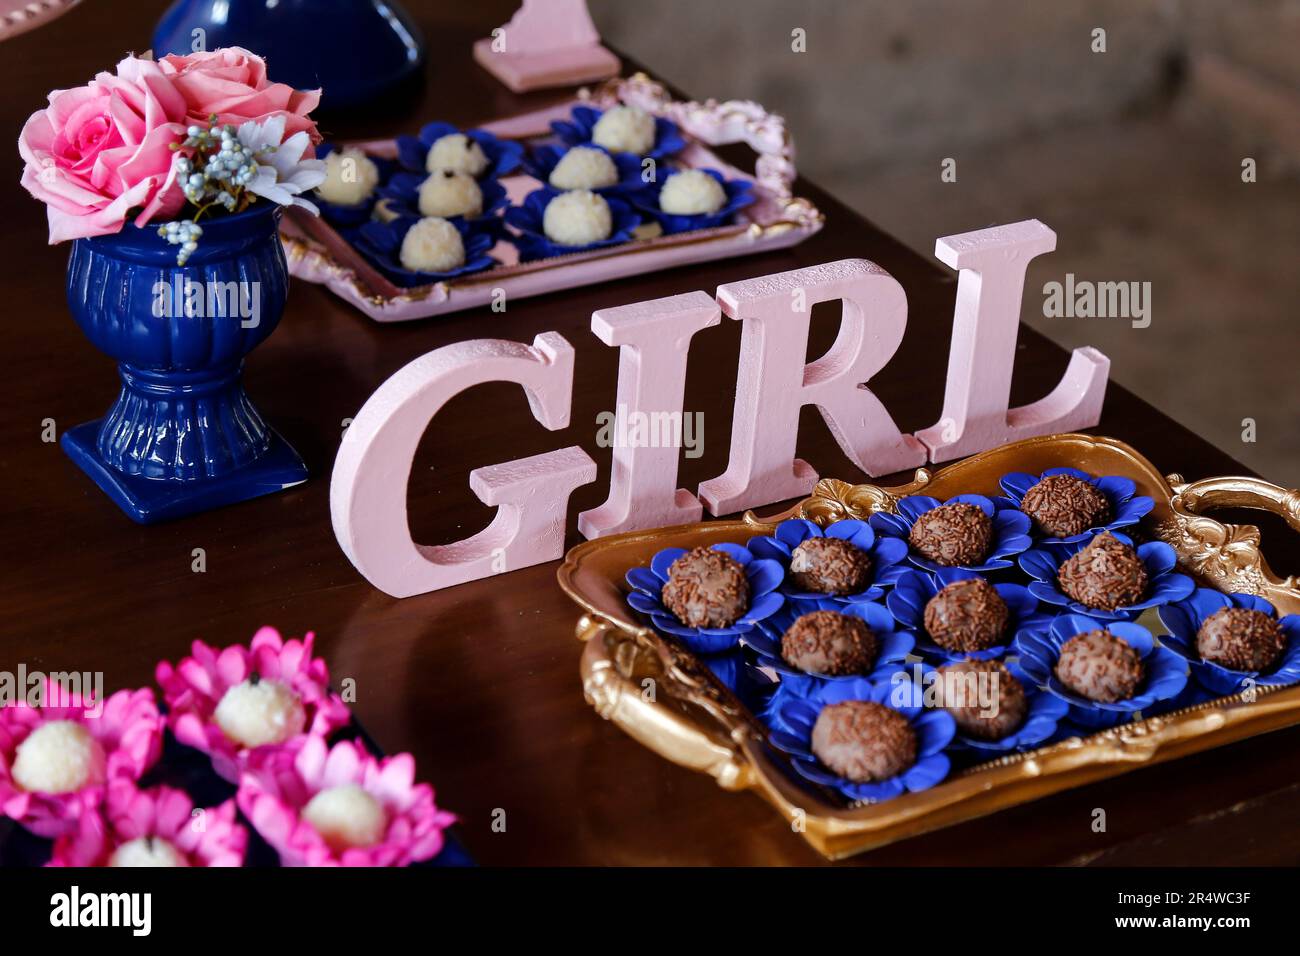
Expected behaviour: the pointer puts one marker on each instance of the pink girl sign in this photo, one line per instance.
(368, 487)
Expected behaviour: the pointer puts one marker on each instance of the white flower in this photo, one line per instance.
(282, 174)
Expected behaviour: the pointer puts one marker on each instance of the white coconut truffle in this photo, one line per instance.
(625, 129)
(147, 851)
(58, 757)
(584, 168)
(456, 152)
(346, 817)
(577, 218)
(448, 193)
(257, 712)
(432, 245)
(350, 177)
(692, 192)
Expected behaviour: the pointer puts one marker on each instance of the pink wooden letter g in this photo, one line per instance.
(368, 487)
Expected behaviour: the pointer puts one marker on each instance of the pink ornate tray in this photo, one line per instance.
(777, 219)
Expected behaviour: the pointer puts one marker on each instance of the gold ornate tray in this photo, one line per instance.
(667, 699)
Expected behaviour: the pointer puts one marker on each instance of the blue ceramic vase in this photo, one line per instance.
(182, 436)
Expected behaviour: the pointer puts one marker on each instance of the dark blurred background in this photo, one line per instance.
(1134, 156)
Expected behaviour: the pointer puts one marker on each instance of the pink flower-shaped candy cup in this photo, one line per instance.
(128, 729)
(208, 837)
(278, 783)
(194, 687)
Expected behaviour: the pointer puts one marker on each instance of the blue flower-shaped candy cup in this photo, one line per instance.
(765, 641)
(503, 155)
(934, 731)
(885, 554)
(751, 686)
(1184, 619)
(1043, 716)
(404, 190)
(577, 130)
(541, 163)
(913, 589)
(647, 589)
(337, 214)
(1010, 528)
(739, 192)
(381, 243)
(789, 688)
(1039, 650)
(1126, 506)
(1164, 585)
(532, 241)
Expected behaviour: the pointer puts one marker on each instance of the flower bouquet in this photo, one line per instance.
(169, 177)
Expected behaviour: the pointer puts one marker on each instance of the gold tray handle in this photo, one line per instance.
(671, 734)
(1230, 555)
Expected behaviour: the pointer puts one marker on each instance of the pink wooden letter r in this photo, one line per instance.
(774, 382)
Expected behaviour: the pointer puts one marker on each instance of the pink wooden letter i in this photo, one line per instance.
(985, 323)
(368, 487)
(774, 382)
(654, 338)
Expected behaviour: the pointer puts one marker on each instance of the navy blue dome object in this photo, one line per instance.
(354, 51)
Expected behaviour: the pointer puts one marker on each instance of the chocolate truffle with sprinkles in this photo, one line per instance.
(1107, 574)
(984, 698)
(1099, 666)
(1240, 639)
(1063, 505)
(967, 616)
(864, 741)
(836, 645)
(953, 534)
(830, 566)
(706, 588)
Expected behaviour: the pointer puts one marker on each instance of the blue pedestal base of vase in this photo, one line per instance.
(150, 500)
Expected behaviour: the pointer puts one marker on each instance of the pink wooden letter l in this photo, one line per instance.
(985, 323)
(654, 338)
(368, 487)
(773, 382)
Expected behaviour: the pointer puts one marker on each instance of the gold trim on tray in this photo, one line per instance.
(667, 699)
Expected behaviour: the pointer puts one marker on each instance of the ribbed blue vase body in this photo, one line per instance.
(180, 335)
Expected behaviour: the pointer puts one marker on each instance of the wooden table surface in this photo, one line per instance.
(480, 682)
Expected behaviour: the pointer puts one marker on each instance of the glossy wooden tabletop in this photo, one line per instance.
(480, 682)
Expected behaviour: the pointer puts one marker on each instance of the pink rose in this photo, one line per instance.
(99, 151)
(232, 83)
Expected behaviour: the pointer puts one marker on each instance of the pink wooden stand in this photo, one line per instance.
(547, 43)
